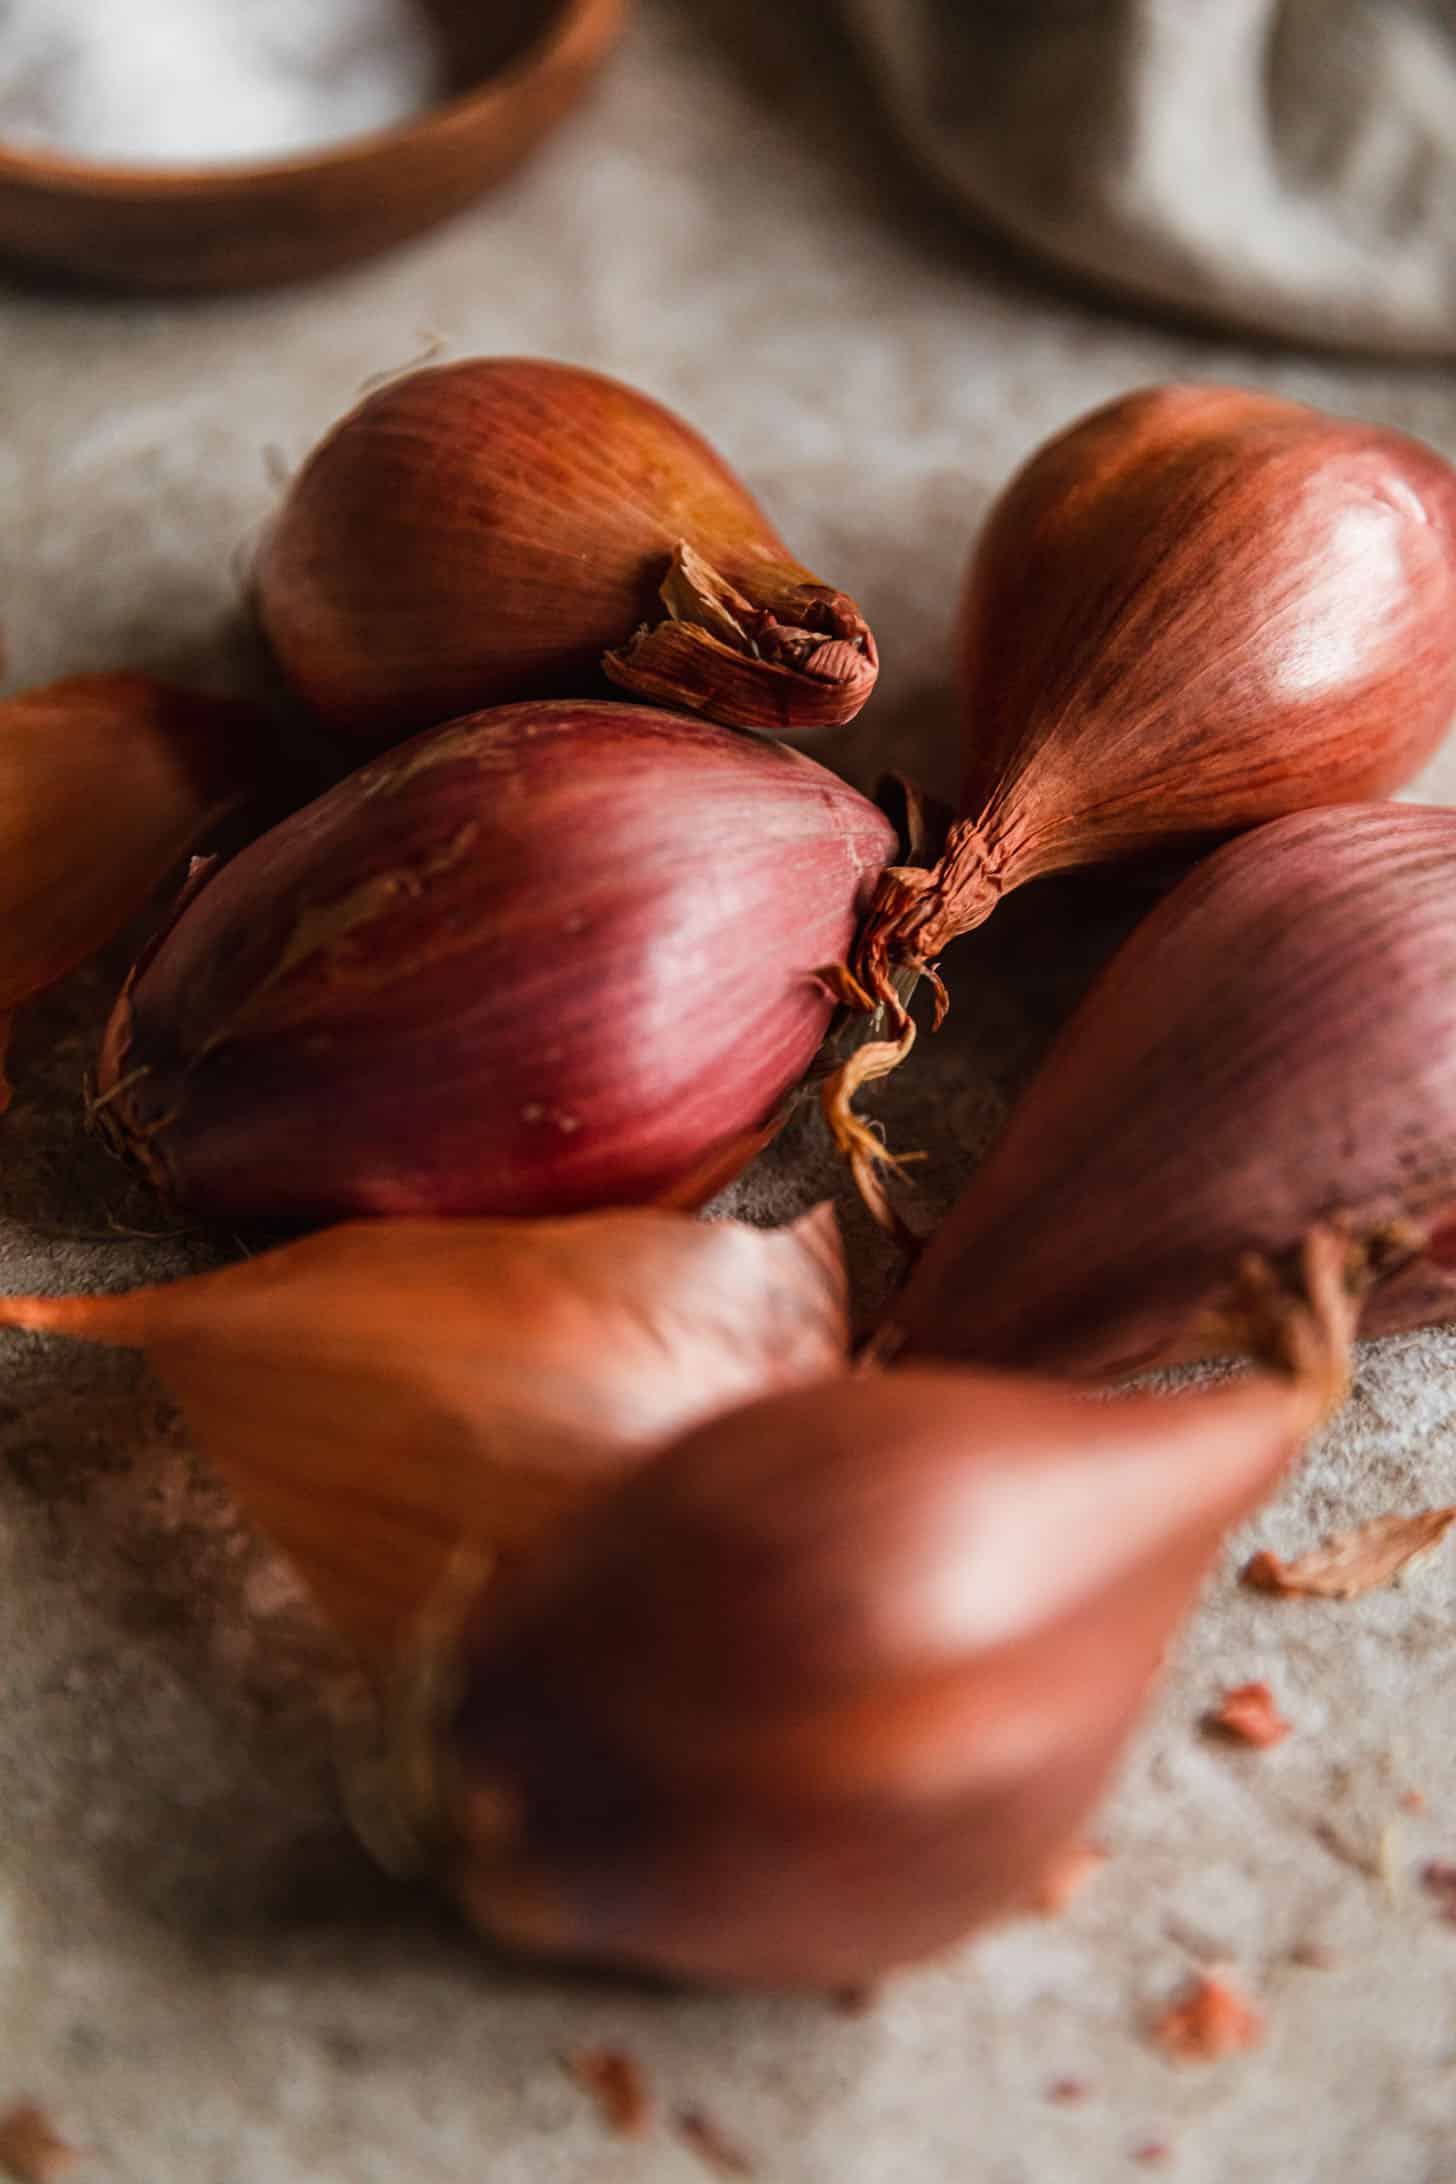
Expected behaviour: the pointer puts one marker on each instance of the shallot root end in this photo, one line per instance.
(859, 1143)
(1301, 1315)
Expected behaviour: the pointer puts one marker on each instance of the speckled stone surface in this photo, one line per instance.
(200, 1974)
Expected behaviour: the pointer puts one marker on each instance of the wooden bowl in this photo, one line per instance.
(519, 65)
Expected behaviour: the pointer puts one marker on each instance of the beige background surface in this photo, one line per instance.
(198, 1972)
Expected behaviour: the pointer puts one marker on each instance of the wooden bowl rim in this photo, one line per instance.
(456, 116)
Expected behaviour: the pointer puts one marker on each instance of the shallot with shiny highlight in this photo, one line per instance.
(1274, 1047)
(106, 783)
(836, 1679)
(508, 528)
(389, 1395)
(1197, 609)
(543, 959)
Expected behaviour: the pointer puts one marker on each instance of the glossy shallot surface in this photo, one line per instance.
(839, 1677)
(1197, 609)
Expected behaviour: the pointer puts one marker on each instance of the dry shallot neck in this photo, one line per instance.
(916, 913)
(797, 654)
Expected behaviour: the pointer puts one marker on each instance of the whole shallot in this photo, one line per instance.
(508, 528)
(388, 1395)
(1274, 1047)
(836, 1679)
(543, 959)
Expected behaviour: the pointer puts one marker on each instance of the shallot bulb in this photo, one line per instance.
(389, 1395)
(833, 1681)
(1274, 1047)
(543, 959)
(1197, 609)
(106, 783)
(509, 528)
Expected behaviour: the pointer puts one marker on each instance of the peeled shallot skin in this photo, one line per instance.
(543, 959)
(1274, 1046)
(832, 1683)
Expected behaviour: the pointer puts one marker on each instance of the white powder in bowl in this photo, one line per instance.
(209, 82)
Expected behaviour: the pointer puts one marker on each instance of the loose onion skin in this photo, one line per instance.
(543, 959)
(1275, 1046)
(1196, 610)
(507, 528)
(834, 1681)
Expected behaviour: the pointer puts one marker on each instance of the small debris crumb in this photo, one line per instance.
(32, 2151)
(1313, 1956)
(1067, 2092)
(1066, 1877)
(1153, 2154)
(1249, 1714)
(1355, 1562)
(1412, 1801)
(616, 2083)
(1211, 2020)
(711, 2143)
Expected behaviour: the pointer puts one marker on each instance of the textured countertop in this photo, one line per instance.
(200, 1975)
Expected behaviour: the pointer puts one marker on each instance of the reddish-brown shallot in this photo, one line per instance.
(1274, 1047)
(543, 959)
(106, 783)
(830, 1683)
(388, 1395)
(1198, 609)
(507, 528)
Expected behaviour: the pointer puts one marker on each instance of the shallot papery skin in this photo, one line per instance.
(1274, 1047)
(543, 959)
(389, 1395)
(835, 1680)
(507, 527)
(1198, 609)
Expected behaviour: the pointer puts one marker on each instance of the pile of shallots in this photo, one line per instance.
(703, 1643)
